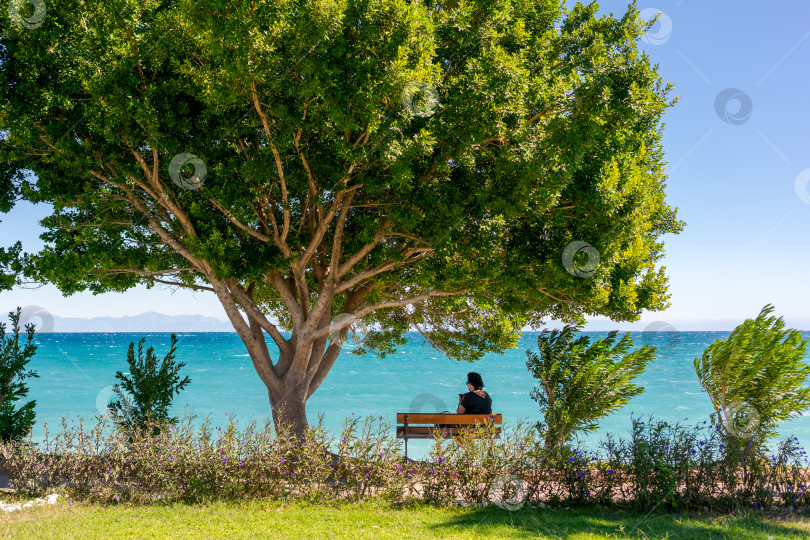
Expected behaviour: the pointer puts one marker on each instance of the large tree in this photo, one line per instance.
(10, 181)
(321, 164)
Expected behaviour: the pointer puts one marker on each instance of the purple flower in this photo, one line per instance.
(610, 471)
(666, 448)
(580, 474)
(224, 460)
(262, 475)
(750, 443)
(116, 497)
(241, 463)
(571, 459)
(693, 451)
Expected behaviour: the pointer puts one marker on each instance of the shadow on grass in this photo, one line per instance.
(603, 523)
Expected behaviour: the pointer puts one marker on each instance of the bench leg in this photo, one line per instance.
(405, 435)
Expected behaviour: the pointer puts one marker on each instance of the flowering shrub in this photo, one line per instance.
(659, 465)
(466, 468)
(676, 467)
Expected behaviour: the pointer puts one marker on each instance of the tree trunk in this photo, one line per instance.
(303, 360)
(289, 411)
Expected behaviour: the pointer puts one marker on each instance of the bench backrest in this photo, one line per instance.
(422, 418)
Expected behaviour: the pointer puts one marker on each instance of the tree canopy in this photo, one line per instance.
(10, 265)
(323, 164)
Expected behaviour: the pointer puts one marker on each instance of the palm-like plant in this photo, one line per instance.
(582, 382)
(755, 378)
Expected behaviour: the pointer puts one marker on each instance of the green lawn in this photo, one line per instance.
(266, 519)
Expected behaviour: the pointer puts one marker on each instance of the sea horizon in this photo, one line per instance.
(157, 322)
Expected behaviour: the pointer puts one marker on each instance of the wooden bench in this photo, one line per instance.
(423, 426)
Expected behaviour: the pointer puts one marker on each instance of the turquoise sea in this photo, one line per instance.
(77, 371)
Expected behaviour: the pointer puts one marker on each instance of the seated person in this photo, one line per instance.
(476, 401)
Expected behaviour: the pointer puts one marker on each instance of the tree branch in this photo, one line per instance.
(382, 305)
(246, 301)
(255, 234)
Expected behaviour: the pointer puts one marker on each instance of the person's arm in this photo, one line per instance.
(461, 409)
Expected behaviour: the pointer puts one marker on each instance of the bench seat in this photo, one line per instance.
(423, 425)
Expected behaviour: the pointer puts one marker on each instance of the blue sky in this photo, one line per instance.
(737, 182)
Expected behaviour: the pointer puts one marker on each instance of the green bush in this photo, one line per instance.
(582, 382)
(147, 392)
(755, 378)
(660, 466)
(15, 422)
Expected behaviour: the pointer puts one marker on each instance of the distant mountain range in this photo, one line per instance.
(158, 322)
(687, 325)
(145, 322)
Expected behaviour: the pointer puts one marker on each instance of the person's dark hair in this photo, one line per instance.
(475, 380)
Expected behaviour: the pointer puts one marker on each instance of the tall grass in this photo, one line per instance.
(660, 465)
